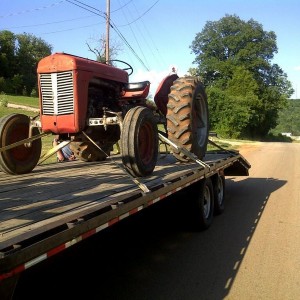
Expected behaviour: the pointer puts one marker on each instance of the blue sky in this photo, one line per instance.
(160, 32)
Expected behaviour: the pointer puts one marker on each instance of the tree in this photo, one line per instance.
(289, 119)
(99, 51)
(19, 56)
(29, 51)
(7, 53)
(234, 60)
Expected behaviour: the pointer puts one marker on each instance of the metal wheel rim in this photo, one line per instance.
(220, 191)
(146, 143)
(206, 202)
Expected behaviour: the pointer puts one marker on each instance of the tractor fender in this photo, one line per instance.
(162, 92)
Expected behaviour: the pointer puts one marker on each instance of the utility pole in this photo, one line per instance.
(107, 30)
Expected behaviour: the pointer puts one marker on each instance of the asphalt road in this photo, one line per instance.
(251, 251)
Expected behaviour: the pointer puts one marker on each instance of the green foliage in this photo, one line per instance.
(278, 137)
(226, 117)
(246, 91)
(3, 100)
(289, 119)
(19, 56)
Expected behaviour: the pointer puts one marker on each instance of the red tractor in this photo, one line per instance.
(92, 105)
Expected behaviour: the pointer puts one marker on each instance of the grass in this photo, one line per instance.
(23, 100)
(4, 111)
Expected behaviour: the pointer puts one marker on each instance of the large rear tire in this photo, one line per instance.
(187, 117)
(21, 159)
(139, 141)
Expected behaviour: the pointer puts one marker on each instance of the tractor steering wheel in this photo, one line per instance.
(128, 67)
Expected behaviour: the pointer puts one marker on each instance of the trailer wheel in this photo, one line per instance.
(202, 208)
(139, 141)
(187, 117)
(21, 159)
(219, 193)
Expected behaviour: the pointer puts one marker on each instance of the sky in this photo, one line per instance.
(151, 35)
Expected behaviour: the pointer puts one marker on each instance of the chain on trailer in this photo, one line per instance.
(189, 154)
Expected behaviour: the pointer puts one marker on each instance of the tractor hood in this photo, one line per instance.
(60, 62)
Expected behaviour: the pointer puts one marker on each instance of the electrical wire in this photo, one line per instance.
(113, 11)
(88, 8)
(112, 25)
(134, 35)
(140, 15)
(148, 39)
(50, 23)
(31, 10)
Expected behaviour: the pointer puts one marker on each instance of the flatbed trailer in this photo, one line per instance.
(58, 205)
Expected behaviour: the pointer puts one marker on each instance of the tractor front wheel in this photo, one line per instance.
(139, 141)
(21, 159)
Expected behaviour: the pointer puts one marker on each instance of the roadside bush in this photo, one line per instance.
(3, 100)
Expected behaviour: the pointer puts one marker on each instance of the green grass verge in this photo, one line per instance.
(4, 111)
(23, 100)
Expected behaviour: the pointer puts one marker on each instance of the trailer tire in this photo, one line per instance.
(21, 159)
(187, 117)
(219, 193)
(202, 207)
(139, 141)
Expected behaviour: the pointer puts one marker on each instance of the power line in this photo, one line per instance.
(134, 35)
(140, 15)
(73, 28)
(31, 10)
(88, 8)
(121, 7)
(128, 45)
(146, 40)
(112, 25)
(50, 23)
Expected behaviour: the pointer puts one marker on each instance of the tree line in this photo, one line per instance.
(289, 119)
(19, 56)
(246, 92)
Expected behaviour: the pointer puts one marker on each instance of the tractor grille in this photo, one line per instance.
(57, 93)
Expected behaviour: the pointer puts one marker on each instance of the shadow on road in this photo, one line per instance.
(152, 255)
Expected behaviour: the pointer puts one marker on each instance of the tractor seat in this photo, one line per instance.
(136, 90)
